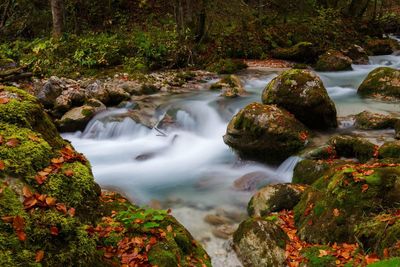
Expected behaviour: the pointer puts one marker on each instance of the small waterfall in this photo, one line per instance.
(285, 170)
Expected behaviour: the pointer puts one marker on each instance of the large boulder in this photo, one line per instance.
(302, 52)
(54, 214)
(308, 171)
(378, 47)
(390, 150)
(357, 54)
(333, 60)
(302, 93)
(260, 243)
(230, 86)
(352, 147)
(48, 93)
(383, 82)
(274, 198)
(266, 133)
(374, 121)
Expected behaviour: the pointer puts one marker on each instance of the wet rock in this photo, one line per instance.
(250, 181)
(302, 93)
(227, 66)
(260, 243)
(266, 133)
(116, 95)
(352, 147)
(382, 83)
(233, 215)
(390, 150)
(215, 219)
(273, 198)
(378, 47)
(223, 231)
(397, 130)
(303, 52)
(97, 90)
(308, 171)
(50, 91)
(77, 118)
(333, 60)
(230, 86)
(357, 54)
(374, 121)
(322, 152)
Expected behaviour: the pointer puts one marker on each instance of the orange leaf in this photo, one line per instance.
(50, 201)
(26, 192)
(2, 165)
(69, 173)
(39, 255)
(386, 253)
(7, 219)
(364, 188)
(62, 208)
(18, 223)
(33, 138)
(323, 253)
(13, 142)
(71, 212)
(21, 235)
(1, 139)
(169, 228)
(369, 172)
(30, 202)
(4, 100)
(371, 258)
(57, 160)
(54, 231)
(336, 212)
(40, 179)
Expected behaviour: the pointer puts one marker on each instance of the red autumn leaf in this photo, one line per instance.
(1, 139)
(364, 188)
(153, 240)
(13, 142)
(21, 235)
(69, 173)
(62, 208)
(7, 219)
(18, 223)
(386, 253)
(369, 172)
(39, 255)
(26, 192)
(336, 212)
(40, 179)
(371, 258)
(30, 202)
(4, 100)
(71, 212)
(2, 165)
(50, 201)
(57, 160)
(54, 231)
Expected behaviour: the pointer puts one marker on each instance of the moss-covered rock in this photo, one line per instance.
(352, 147)
(308, 171)
(260, 243)
(302, 52)
(314, 258)
(227, 66)
(266, 133)
(383, 82)
(333, 60)
(357, 54)
(397, 130)
(230, 86)
(302, 93)
(390, 150)
(321, 152)
(378, 47)
(342, 198)
(374, 121)
(274, 198)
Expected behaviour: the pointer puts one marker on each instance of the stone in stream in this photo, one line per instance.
(274, 198)
(390, 150)
(333, 60)
(382, 83)
(216, 219)
(374, 121)
(357, 54)
(302, 93)
(302, 52)
(266, 133)
(352, 147)
(50, 91)
(250, 181)
(230, 86)
(260, 243)
(378, 47)
(224, 231)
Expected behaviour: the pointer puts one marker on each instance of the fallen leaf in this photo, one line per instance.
(364, 188)
(336, 212)
(71, 212)
(57, 160)
(26, 192)
(371, 258)
(50, 201)
(13, 142)
(18, 223)
(1, 139)
(21, 235)
(7, 219)
(39, 255)
(40, 179)
(2, 165)
(62, 208)
(4, 100)
(54, 231)
(169, 228)
(69, 173)
(323, 253)
(369, 172)
(33, 138)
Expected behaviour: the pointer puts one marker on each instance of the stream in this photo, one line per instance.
(184, 164)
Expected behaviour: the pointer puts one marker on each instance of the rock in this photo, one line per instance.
(303, 52)
(382, 82)
(390, 150)
(62, 104)
(374, 121)
(260, 243)
(346, 198)
(50, 91)
(308, 171)
(250, 181)
(352, 147)
(378, 47)
(227, 66)
(223, 231)
(266, 133)
(77, 118)
(116, 95)
(397, 129)
(322, 152)
(97, 90)
(231, 86)
(215, 219)
(302, 93)
(274, 198)
(357, 54)
(333, 60)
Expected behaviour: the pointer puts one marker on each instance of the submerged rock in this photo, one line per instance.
(260, 243)
(274, 198)
(333, 60)
(302, 52)
(374, 121)
(302, 93)
(230, 86)
(381, 83)
(266, 133)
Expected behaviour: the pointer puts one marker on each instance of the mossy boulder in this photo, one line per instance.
(77, 118)
(397, 130)
(261, 243)
(274, 198)
(227, 66)
(390, 150)
(308, 171)
(266, 133)
(302, 52)
(352, 147)
(383, 82)
(302, 93)
(357, 54)
(378, 47)
(333, 60)
(321, 152)
(342, 198)
(230, 86)
(374, 121)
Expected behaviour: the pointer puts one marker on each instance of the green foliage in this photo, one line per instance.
(139, 218)
(386, 263)
(227, 66)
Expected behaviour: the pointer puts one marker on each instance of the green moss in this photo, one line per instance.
(383, 81)
(25, 111)
(303, 52)
(227, 66)
(27, 156)
(386, 263)
(333, 61)
(348, 146)
(312, 254)
(308, 171)
(87, 112)
(390, 150)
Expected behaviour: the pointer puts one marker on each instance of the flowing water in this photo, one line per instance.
(185, 164)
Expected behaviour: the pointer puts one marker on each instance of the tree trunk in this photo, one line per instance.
(58, 20)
